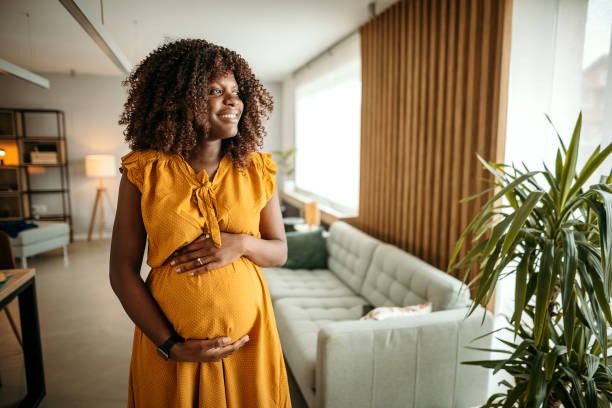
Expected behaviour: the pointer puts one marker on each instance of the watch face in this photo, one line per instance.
(162, 353)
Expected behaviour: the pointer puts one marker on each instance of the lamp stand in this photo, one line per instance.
(98, 203)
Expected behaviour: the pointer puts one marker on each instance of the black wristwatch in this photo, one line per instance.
(164, 349)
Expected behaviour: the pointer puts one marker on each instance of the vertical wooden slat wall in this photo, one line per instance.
(434, 78)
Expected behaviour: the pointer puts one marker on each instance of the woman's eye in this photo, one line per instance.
(216, 91)
(237, 93)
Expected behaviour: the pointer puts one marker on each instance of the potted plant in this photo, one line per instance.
(285, 161)
(555, 235)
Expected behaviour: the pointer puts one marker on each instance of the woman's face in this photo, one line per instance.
(224, 107)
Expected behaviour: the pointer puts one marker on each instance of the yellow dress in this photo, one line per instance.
(177, 206)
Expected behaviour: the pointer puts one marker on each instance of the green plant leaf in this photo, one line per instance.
(520, 289)
(550, 361)
(570, 255)
(576, 387)
(557, 133)
(483, 213)
(569, 167)
(479, 194)
(536, 390)
(592, 362)
(492, 168)
(590, 167)
(515, 394)
(519, 219)
(558, 165)
(543, 291)
(590, 393)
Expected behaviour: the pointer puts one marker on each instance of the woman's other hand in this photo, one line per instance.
(200, 350)
(202, 255)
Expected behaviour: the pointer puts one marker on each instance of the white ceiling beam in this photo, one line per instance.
(98, 34)
(22, 73)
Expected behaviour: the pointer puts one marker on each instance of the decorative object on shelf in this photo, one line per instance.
(555, 235)
(35, 171)
(101, 166)
(44, 153)
(286, 163)
(38, 210)
(2, 154)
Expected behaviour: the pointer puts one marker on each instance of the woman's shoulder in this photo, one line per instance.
(139, 162)
(263, 162)
(143, 156)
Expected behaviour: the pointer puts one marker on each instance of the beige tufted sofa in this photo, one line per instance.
(339, 361)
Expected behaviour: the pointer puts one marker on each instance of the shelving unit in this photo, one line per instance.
(34, 178)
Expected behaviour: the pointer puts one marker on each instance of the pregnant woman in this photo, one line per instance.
(196, 187)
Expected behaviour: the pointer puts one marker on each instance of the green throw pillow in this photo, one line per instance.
(306, 250)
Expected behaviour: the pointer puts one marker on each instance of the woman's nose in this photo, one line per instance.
(231, 100)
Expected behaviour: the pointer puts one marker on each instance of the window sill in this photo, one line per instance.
(329, 215)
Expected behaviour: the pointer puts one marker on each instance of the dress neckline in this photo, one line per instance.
(202, 176)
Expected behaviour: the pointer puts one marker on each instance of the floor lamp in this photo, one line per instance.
(100, 166)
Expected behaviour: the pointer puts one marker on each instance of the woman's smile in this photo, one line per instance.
(231, 116)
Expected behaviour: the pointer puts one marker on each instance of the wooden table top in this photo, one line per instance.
(19, 278)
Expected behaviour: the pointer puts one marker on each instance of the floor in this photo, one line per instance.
(86, 335)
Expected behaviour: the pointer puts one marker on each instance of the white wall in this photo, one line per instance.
(92, 105)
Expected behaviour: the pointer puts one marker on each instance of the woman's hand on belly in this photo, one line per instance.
(202, 255)
(205, 350)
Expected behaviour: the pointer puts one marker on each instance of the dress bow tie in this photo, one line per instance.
(207, 205)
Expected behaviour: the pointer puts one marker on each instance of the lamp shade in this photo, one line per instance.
(100, 165)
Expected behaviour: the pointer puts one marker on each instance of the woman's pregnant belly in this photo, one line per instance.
(223, 302)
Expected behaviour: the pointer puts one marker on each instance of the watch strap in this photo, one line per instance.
(164, 349)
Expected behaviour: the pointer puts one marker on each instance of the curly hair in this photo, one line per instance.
(167, 109)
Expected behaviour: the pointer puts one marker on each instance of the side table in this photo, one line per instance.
(22, 285)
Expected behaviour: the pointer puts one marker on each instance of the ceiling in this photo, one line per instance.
(275, 36)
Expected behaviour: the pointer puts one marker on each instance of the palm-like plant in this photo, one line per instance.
(555, 235)
(285, 158)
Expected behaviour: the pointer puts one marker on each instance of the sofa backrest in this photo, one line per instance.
(350, 253)
(396, 278)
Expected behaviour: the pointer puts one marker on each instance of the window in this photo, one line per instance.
(597, 83)
(559, 65)
(327, 127)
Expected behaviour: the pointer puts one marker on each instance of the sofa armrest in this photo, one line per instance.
(404, 362)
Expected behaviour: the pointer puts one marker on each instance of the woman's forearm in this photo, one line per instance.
(140, 306)
(264, 252)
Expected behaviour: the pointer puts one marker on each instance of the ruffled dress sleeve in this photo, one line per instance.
(135, 163)
(268, 167)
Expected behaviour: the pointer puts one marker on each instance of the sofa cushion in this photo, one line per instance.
(350, 253)
(298, 321)
(396, 278)
(284, 283)
(46, 230)
(306, 250)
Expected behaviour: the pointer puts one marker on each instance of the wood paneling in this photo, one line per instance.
(435, 79)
